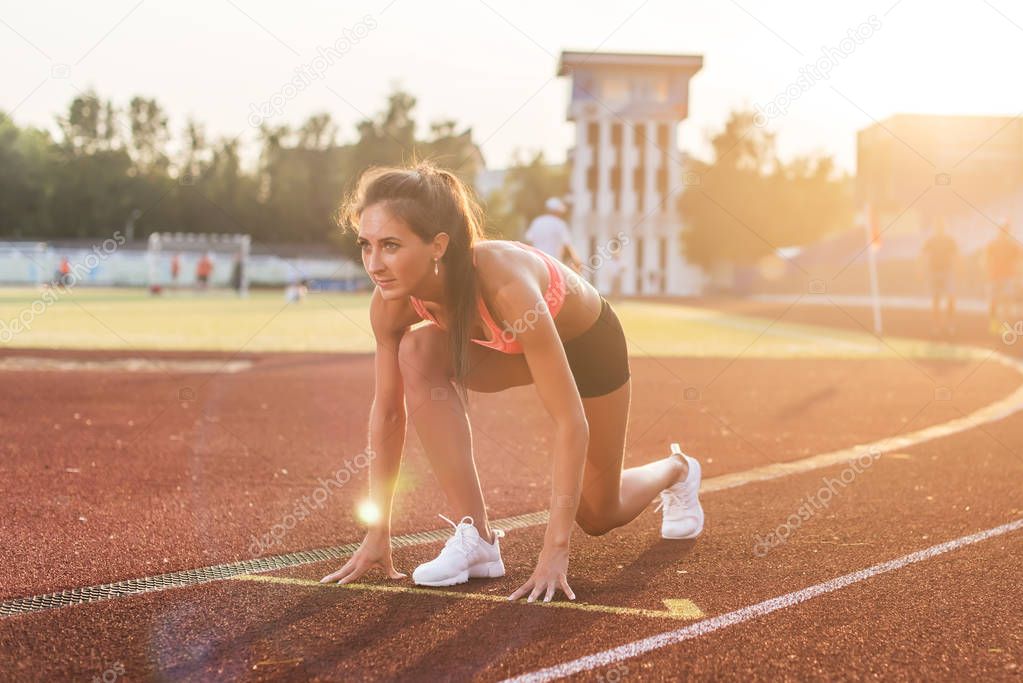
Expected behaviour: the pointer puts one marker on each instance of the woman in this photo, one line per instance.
(423, 246)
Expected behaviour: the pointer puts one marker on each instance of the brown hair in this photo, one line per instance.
(432, 200)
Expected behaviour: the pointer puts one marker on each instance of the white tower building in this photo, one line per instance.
(627, 169)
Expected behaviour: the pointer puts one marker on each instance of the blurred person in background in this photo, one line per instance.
(203, 270)
(237, 273)
(64, 272)
(941, 255)
(549, 233)
(1002, 256)
(296, 292)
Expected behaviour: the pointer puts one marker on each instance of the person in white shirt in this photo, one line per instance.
(549, 232)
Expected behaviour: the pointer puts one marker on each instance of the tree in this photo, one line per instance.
(318, 132)
(528, 184)
(90, 125)
(110, 162)
(149, 136)
(389, 139)
(27, 162)
(453, 150)
(92, 191)
(194, 152)
(745, 202)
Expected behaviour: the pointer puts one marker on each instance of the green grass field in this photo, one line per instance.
(132, 319)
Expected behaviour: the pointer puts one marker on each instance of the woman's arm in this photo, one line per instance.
(387, 420)
(519, 304)
(387, 423)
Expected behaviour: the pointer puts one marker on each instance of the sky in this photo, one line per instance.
(492, 65)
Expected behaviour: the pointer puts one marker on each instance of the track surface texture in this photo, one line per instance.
(119, 475)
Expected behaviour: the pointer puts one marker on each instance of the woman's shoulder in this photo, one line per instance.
(503, 262)
(503, 255)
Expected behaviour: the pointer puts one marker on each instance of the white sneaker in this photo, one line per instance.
(465, 555)
(683, 514)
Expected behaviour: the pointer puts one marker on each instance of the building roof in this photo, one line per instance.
(571, 60)
(899, 120)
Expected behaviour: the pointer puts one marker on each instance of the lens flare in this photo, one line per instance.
(368, 512)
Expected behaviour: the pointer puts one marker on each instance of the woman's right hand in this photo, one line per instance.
(375, 551)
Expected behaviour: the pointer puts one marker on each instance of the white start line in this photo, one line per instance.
(700, 628)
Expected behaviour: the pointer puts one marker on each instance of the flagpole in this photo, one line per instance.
(873, 243)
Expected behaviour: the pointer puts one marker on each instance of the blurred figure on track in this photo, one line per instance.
(549, 233)
(175, 269)
(203, 270)
(1002, 257)
(64, 272)
(237, 273)
(296, 292)
(941, 255)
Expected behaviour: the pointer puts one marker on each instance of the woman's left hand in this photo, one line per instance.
(551, 574)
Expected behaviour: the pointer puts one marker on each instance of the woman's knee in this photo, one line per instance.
(422, 355)
(592, 524)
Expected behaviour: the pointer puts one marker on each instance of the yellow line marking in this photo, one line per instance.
(676, 608)
(684, 608)
(277, 662)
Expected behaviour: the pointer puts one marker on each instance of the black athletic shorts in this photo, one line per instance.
(599, 357)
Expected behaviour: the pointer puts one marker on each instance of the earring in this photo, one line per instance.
(436, 268)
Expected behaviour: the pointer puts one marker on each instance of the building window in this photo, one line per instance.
(592, 274)
(664, 145)
(662, 249)
(639, 173)
(662, 136)
(615, 90)
(639, 184)
(639, 265)
(660, 90)
(616, 186)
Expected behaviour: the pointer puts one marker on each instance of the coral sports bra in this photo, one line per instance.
(503, 341)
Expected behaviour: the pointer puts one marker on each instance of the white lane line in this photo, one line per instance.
(992, 412)
(171, 365)
(700, 628)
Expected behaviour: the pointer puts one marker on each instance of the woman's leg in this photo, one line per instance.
(440, 417)
(612, 497)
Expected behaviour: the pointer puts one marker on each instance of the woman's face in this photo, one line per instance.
(393, 255)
